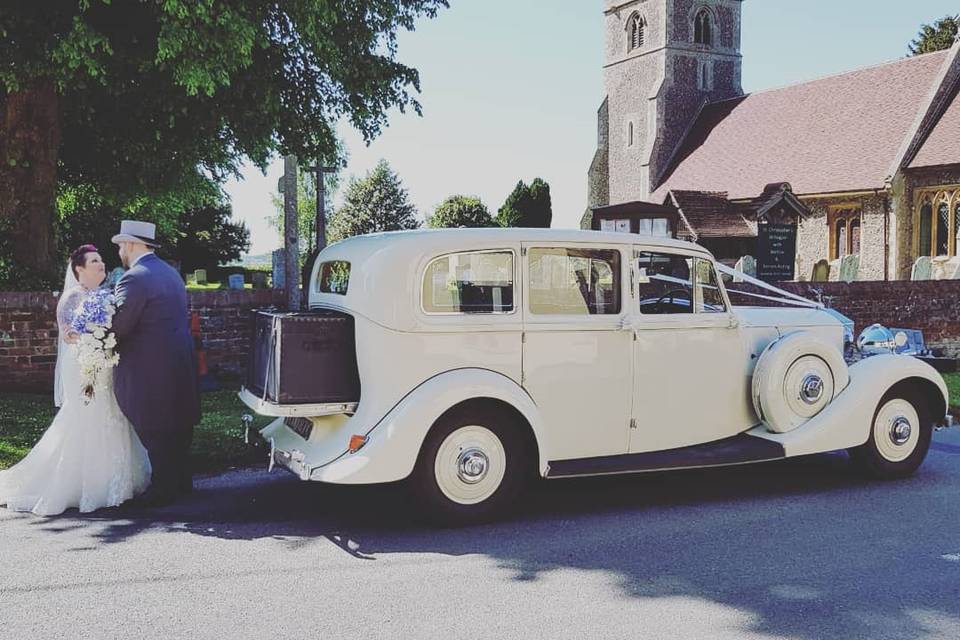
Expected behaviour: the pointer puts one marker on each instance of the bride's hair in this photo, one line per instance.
(79, 257)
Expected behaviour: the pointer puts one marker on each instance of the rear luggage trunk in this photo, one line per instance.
(306, 357)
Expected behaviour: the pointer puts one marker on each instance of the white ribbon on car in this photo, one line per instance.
(786, 296)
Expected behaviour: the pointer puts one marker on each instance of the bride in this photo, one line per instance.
(90, 457)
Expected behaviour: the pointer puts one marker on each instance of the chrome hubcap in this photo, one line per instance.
(472, 465)
(811, 389)
(900, 431)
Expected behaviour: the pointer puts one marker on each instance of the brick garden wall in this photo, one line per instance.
(28, 334)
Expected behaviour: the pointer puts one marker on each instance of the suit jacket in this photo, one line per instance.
(156, 381)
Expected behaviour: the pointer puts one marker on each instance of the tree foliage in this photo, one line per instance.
(527, 206)
(206, 238)
(376, 202)
(936, 37)
(461, 211)
(136, 98)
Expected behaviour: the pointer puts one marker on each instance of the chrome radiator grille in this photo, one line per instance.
(301, 426)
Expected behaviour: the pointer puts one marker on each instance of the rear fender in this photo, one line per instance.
(394, 443)
(846, 421)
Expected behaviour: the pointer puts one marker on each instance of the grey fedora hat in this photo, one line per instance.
(137, 231)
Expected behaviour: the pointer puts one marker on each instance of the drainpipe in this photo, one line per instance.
(886, 237)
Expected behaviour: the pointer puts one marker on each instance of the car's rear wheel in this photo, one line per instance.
(470, 468)
(899, 438)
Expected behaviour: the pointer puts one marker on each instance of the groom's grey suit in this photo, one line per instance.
(156, 380)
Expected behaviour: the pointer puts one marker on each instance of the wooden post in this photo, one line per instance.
(291, 233)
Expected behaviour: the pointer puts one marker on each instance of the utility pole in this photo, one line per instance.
(291, 232)
(320, 224)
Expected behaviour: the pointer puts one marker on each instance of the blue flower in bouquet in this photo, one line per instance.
(95, 347)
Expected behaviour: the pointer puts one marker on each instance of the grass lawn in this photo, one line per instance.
(217, 440)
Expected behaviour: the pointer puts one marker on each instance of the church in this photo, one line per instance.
(862, 163)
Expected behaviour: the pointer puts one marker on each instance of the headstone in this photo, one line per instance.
(235, 281)
(942, 268)
(259, 279)
(849, 267)
(278, 269)
(834, 270)
(821, 271)
(953, 269)
(776, 251)
(746, 265)
(200, 276)
(921, 269)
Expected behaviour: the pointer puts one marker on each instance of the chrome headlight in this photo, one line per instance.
(878, 339)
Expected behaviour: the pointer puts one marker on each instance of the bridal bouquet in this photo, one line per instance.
(95, 347)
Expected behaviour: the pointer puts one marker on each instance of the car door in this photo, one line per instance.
(577, 359)
(691, 370)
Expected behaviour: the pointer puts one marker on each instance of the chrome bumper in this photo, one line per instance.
(267, 408)
(947, 423)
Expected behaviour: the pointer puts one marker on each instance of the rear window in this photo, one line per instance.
(334, 277)
(474, 282)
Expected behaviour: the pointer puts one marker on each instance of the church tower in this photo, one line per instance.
(664, 60)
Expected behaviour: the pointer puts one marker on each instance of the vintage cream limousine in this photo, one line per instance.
(468, 361)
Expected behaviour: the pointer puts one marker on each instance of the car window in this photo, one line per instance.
(473, 282)
(334, 277)
(573, 281)
(709, 299)
(677, 284)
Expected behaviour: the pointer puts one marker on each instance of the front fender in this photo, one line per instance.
(846, 421)
(394, 443)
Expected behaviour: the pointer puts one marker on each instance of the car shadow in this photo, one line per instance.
(804, 545)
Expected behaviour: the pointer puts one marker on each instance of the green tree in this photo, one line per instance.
(936, 37)
(207, 237)
(376, 202)
(138, 98)
(527, 206)
(461, 211)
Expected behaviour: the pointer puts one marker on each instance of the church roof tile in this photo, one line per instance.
(834, 134)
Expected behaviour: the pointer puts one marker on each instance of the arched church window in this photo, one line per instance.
(943, 226)
(855, 236)
(637, 29)
(703, 28)
(840, 249)
(630, 134)
(926, 228)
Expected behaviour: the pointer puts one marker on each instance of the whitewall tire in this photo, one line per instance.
(899, 437)
(796, 377)
(471, 466)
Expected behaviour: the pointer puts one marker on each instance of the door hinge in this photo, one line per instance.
(523, 337)
(633, 423)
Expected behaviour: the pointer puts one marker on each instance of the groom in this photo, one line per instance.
(156, 380)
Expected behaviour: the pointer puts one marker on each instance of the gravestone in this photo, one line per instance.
(921, 269)
(834, 270)
(953, 269)
(259, 279)
(746, 265)
(200, 276)
(278, 269)
(849, 267)
(821, 271)
(235, 281)
(944, 268)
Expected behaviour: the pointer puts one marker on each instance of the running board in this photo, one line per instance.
(737, 449)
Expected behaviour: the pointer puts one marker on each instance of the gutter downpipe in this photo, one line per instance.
(886, 233)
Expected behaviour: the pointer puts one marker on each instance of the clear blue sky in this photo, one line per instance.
(511, 88)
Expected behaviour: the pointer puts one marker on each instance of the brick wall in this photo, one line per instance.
(28, 334)
(933, 306)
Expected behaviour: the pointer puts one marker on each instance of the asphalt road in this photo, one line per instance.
(796, 549)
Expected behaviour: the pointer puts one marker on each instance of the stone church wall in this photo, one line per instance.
(813, 234)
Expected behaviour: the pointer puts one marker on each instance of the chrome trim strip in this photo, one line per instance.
(267, 408)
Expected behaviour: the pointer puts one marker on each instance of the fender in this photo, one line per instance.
(846, 422)
(394, 443)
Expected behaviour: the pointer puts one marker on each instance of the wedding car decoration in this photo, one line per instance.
(467, 361)
(96, 343)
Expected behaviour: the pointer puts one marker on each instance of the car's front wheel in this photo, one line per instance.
(899, 437)
(470, 468)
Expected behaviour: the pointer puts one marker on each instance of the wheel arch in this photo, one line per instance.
(934, 404)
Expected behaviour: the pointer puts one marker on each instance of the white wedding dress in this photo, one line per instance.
(90, 457)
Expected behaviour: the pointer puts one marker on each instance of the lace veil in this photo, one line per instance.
(69, 298)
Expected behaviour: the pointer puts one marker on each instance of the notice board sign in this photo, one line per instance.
(776, 251)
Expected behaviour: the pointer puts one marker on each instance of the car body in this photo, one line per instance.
(567, 353)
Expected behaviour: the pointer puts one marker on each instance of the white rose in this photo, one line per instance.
(99, 333)
(110, 342)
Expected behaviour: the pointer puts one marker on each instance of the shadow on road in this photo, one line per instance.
(804, 544)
